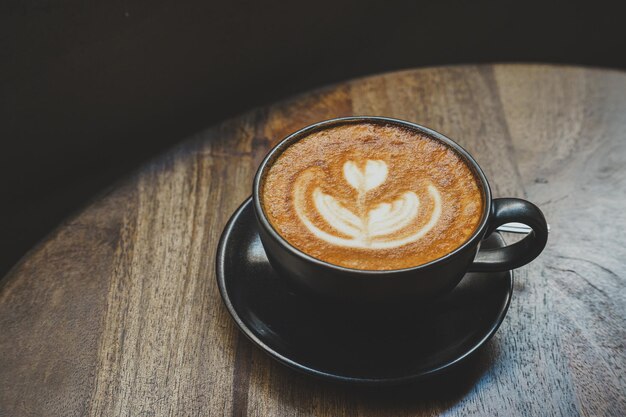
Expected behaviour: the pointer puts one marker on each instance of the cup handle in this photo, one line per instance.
(507, 210)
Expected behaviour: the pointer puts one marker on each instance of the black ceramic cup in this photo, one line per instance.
(420, 283)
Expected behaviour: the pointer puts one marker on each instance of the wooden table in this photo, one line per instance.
(117, 311)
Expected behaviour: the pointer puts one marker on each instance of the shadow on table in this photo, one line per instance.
(436, 393)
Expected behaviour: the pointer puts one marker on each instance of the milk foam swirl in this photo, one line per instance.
(378, 228)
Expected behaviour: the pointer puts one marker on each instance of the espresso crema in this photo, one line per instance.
(372, 197)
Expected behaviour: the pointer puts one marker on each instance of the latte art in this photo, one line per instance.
(372, 196)
(375, 228)
(374, 174)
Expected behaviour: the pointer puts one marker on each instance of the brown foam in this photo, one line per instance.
(415, 163)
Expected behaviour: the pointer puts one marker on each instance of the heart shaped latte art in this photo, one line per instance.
(376, 228)
(374, 175)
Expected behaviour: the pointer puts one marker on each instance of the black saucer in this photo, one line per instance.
(344, 344)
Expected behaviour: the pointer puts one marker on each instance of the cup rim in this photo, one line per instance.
(275, 152)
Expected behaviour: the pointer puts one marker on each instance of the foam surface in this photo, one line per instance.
(372, 197)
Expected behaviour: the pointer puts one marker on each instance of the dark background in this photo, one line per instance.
(91, 89)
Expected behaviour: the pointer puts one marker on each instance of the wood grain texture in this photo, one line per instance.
(117, 311)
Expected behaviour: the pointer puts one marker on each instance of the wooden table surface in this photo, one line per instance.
(117, 312)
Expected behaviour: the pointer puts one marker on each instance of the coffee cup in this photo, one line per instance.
(339, 247)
